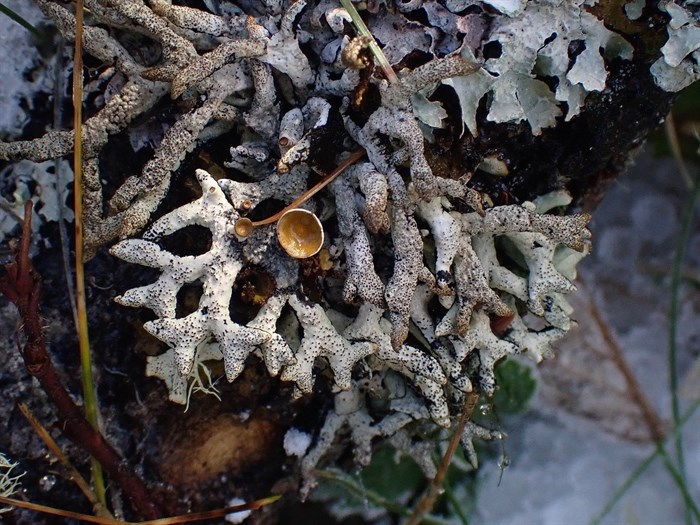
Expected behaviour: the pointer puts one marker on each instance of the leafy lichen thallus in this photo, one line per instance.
(299, 231)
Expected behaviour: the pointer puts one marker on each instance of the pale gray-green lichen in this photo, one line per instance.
(9, 479)
(679, 65)
(407, 333)
(475, 289)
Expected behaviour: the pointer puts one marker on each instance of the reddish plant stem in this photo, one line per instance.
(634, 389)
(427, 502)
(21, 285)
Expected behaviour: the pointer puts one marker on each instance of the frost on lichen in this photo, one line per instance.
(429, 287)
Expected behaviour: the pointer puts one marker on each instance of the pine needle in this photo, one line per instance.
(185, 518)
(373, 46)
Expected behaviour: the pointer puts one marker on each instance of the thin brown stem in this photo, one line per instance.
(634, 390)
(21, 285)
(186, 518)
(73, 473)
(674, 143)
(244, 226)
(427, 502)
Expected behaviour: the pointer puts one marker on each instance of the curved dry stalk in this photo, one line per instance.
(185, 518)
(427, 502)
(244, 226)
(674, 144)
(81, 306)
(650, 417)
(74, 475)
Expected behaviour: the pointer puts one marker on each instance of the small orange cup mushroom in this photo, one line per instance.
(300, 233)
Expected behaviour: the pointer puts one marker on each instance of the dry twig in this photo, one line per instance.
(21, 285)
(428, 500)
(73, 473)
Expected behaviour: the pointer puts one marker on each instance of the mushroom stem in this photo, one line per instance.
(244, 226)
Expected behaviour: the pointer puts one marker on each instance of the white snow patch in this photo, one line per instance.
(296, 442)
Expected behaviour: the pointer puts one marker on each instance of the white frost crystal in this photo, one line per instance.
(296, 442)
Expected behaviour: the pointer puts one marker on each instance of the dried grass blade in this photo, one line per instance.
(83, 338)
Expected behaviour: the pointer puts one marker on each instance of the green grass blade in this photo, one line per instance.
(637, 472)
(373, 46)
(679, 256)
(454, 502)
(352, 485)
(89, 396)
(680, 482)
(20, 20)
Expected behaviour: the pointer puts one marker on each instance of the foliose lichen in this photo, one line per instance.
(679, 65)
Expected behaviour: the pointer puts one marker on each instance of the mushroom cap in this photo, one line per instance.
(243, 227)
(300, 233)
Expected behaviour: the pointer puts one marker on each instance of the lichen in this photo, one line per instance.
(9, 479)
(534, 45)
(43, 183)
(679, 65)
(217, 269)
(430, 287)
(472, 286)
